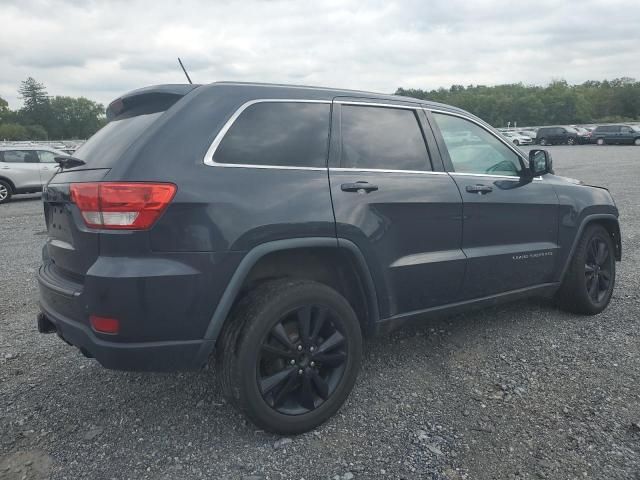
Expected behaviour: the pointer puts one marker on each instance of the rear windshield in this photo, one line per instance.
(105, 147)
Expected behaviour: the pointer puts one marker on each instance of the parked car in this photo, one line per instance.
(25, 169)
(557, 136)
(528, 133)
(518, 139)
(272, 227)
(616, 135)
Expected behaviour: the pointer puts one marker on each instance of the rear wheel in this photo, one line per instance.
(571, 141)
(543, 141)
(516, 143)
(290, 355)
(588, 284)
(637, 142)
(5, 191)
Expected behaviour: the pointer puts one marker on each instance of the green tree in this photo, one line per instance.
(75, 117)
(35, 100)
(13, 131)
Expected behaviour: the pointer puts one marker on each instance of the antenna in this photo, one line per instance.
(184, 70)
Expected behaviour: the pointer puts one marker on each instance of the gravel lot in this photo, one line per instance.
(519, 391)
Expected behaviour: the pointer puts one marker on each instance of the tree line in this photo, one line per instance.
(43, 117)
(558, 103)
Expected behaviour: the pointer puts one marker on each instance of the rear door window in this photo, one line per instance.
(382, 138)
(47, 157)
(19, 156)
(291, 134)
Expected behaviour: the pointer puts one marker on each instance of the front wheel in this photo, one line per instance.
(516, 143)
(290, 355)
(600, 141)
(589, 281)
(637, 142)
(543, 141)
(571, 141)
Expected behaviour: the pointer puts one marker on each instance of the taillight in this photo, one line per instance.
(121, 205)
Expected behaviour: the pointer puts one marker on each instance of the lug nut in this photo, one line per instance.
(293, 362)
(300, 372)
(312, 364)
(299, 348)
(312, 349)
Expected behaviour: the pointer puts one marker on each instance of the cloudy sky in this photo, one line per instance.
(100, 49)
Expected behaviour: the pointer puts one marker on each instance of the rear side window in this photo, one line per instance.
(292, 134)
(382, 138)
(19, 156)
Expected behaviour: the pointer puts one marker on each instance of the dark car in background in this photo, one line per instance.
(271, 227)
(616, 135)
(557, 136)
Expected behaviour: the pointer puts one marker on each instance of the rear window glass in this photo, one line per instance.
(294, 134)
(105, 147)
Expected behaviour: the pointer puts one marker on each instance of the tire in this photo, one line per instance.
(5, 191)
(516, 143)
(276, 386)
(543, 141)
(575, 294)
(600, 141)
(571, 141)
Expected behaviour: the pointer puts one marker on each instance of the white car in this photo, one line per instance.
(25, 169)
(517, 138)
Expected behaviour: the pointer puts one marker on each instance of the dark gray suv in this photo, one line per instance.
(271, 227)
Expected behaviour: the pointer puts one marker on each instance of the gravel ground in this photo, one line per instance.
(518, 391)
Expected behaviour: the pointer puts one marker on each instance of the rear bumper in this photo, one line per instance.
(163, 318)
(144, 356)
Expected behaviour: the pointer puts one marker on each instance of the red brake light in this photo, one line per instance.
(105, 324)
(121, 205)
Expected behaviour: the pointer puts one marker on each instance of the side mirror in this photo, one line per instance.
(540, 162)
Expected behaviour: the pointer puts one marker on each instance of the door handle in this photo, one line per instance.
(360, 187)
(479, 189)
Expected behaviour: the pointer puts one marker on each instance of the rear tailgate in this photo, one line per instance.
(72, 247)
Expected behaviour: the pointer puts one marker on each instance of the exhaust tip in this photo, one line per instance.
(44, 324)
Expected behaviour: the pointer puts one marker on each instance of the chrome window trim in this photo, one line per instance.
(384, 170)
(510, 177)
(371, 104)
(208, 157)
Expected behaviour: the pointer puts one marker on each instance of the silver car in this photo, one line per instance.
(25, 169)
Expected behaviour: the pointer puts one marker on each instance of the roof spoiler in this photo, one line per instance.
(147, 100)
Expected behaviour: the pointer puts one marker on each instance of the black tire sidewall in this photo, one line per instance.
(585, 302)
(295, 295)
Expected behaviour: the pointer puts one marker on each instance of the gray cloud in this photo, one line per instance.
(100, 49)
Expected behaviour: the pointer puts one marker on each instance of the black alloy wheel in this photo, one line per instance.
(302, 360)
(598, 269)
(290, 354)
(588, 284)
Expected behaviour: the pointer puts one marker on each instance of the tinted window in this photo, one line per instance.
(626, 129)
(382, 138)
(20, 156)
(292, 134)
(105, 147)
(473, 149)
(47, 157)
